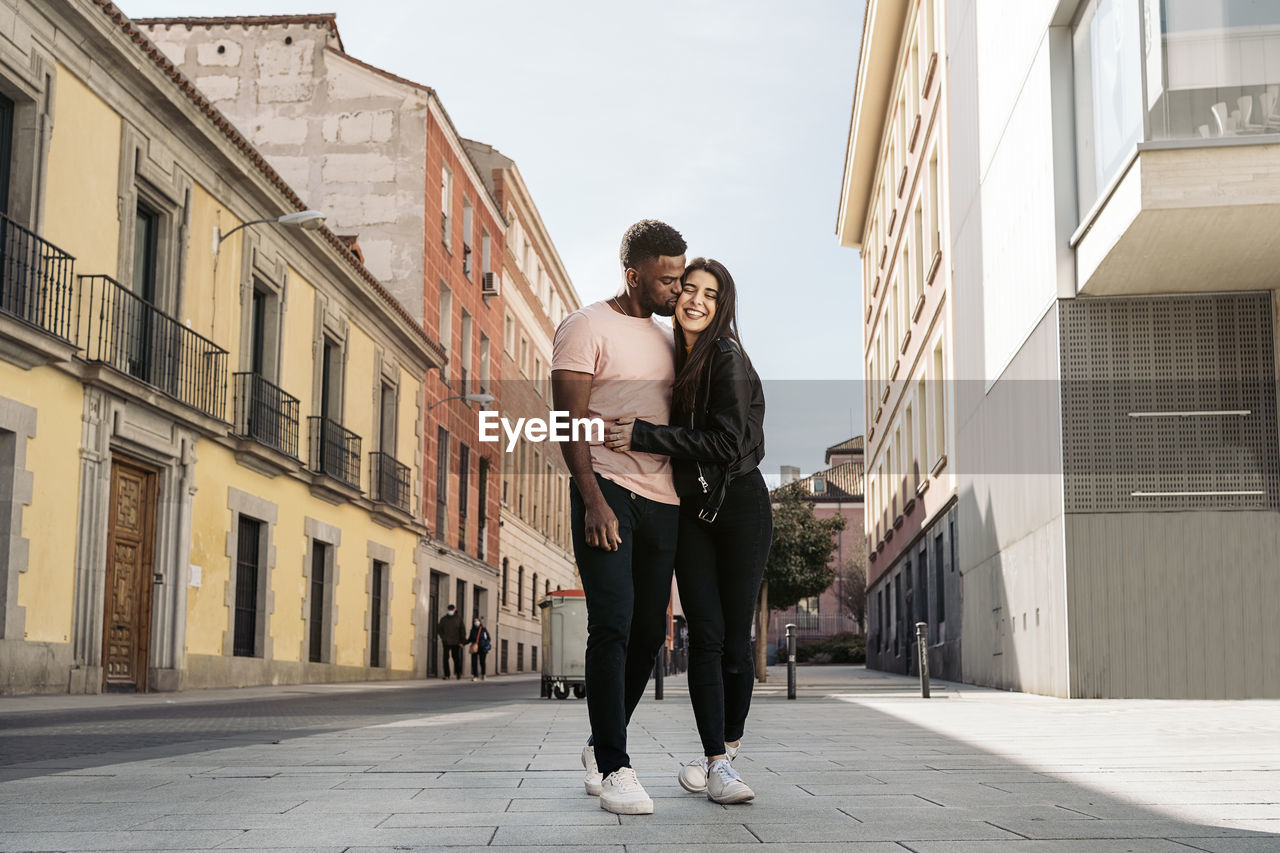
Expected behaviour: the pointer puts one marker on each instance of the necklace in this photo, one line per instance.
(619, 306)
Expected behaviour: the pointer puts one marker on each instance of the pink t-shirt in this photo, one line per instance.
(632, 362)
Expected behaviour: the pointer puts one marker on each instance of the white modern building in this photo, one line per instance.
(1113, 197)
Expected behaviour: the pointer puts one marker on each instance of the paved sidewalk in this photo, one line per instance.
(858, 763)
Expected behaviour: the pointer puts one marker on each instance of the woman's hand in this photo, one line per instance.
(618, 437)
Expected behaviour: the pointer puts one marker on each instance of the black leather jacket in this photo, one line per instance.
(724, 438)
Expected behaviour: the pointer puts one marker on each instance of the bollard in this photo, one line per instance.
(922, 646)
(791, 661)
(659, 667)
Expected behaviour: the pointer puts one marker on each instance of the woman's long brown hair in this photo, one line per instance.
(691, 366)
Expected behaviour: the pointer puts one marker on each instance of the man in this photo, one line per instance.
(612, 359)
(452, 635)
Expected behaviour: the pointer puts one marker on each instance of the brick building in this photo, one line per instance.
(537, 548)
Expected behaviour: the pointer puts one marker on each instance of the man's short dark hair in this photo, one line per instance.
(647, 239)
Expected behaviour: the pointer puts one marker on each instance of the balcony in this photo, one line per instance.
(130, 335)
(35, 290)
(334, 451)
(1178, 145)
(389, 481)
(266, 414)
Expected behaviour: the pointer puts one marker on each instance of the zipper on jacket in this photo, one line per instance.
(702, 481)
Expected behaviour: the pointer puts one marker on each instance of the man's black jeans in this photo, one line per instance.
(719, 567)
(452, 652)
(628, 591)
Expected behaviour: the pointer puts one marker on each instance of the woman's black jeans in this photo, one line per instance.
(719, 567)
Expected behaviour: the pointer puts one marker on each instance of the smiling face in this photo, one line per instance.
(697, 305)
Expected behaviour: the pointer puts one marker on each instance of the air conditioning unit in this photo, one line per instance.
(491, 284)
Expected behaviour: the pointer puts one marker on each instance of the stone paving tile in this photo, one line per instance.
(1256, 844)
(114, 839)
(597, 817)
(1132, 845)
(604, 848)
(241, 821)
(693, 834)
(1066, 829)
(801, 847)
(853, 831)
(271, 839)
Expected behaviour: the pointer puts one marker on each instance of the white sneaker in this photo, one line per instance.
(693, 776)
(725, 786)
(593, 778)
(622, 793)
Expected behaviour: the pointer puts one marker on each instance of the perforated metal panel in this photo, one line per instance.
(1169, 403)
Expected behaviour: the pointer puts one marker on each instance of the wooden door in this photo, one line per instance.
(130, 566)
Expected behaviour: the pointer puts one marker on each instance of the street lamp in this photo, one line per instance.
(307, 220)
(482, 399)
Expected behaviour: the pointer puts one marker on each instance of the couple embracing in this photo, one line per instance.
(675, 487)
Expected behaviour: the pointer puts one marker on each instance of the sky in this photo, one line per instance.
(726, 118)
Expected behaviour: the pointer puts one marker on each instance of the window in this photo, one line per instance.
(911, 471)
(319, 604)
(247, 640)
(502, 656)
(146, 236)
(377, 613)
(460, 597)
(486, 249)
(819, 486)
(520, 589)
(446, 322)
(537, 375)
(533, 595)
(484, 362)
(387, 415)
(807, 613)
(519, 657)
(935, 212)
(524, 355)
(442, 480)
(464, 363)
(533, 658)
(940, 600)
(509, 336)
(467, 227)
(464, 477)
(922, 413)
(446, 206)
(939, 403)
(1107, 48)
(331, 380)
(482, 509)
(505, 565)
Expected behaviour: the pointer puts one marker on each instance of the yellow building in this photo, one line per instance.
(210, 435)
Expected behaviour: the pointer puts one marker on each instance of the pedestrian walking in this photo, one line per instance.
(480, 644)
(610, 360)
(453, 634)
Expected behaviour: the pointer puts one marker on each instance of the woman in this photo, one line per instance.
(716, 442)
(479, 643)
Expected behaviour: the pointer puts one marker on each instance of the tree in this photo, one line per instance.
(799, 560)
(852, 588)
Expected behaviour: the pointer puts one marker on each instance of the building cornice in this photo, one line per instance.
(877, 56)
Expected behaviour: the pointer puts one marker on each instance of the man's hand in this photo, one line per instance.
(601, 527)
(618, 436)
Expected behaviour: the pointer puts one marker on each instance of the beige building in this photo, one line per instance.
(380, 155)
(536, 546)
(894, 209)
(211, 468)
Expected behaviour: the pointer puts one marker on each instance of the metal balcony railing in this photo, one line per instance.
(265, 413)
(35, 280)
(334, 451)
(388, 480)
(122, 330)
